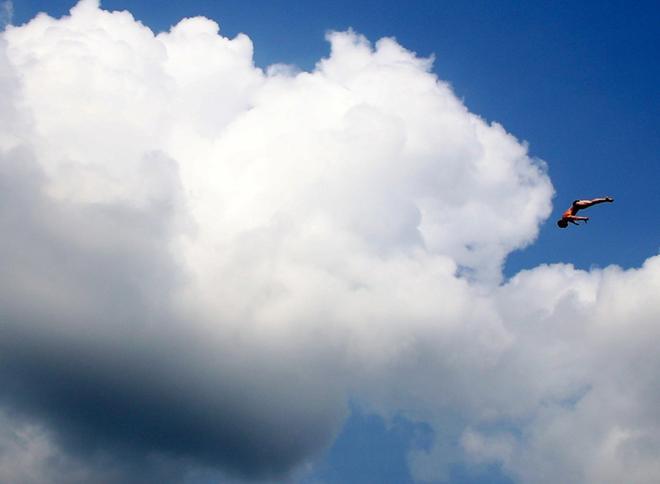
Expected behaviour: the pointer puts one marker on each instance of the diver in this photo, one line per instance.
(570, 214)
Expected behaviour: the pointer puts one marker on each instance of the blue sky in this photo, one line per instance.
(577, 81)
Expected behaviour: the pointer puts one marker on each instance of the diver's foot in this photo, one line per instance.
(609, 199)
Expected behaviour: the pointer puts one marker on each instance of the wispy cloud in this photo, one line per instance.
(6, 13)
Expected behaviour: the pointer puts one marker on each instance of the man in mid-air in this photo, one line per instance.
(570, 214)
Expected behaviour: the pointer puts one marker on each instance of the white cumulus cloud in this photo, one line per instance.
(204, 261)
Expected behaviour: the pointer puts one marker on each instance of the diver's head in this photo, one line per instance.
(562, 223)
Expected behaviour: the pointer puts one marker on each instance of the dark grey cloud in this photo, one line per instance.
(91, 347)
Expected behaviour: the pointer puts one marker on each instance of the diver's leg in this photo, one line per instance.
(580, 204)
(601, 200)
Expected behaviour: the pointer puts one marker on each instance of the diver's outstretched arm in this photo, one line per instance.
(574, 218)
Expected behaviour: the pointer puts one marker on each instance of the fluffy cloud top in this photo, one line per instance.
(202, 262)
